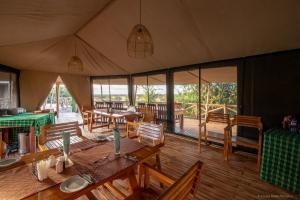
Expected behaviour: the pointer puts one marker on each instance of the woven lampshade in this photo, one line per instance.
(139, 43)
(75, 64)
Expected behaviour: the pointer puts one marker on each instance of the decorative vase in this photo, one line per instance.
(117, 141)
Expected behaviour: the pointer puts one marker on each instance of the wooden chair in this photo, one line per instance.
(86, 111)
(162, 114)
(141, 105)
(100, 119)
(251, 122)
(152, 107)
(148, 115)
(118, 106)
(50, 137)
(99, 105)
(132, 125)
(152, 135)
(218, 121)
(183, 188)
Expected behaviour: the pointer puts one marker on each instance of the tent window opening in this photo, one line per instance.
(8, 90)
(111, 92)
(150, 89)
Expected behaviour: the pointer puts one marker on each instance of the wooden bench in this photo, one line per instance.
(50, 137)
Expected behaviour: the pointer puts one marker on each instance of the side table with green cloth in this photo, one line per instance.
(24, 122)
(281, 159)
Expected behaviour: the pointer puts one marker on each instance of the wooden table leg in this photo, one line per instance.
(32, 140)
(181, 121)
(132, 183)
(6, 135)
(1, 146)
(114, 122)
(90, 125)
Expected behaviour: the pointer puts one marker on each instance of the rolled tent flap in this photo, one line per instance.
(79, 88)
(34, 88)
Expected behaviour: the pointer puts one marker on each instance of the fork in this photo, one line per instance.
(88, 177)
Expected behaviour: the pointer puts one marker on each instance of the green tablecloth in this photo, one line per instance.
(24, 121)
(281, 159)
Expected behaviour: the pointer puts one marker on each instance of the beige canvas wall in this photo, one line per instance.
(79, 88)
(36, 85)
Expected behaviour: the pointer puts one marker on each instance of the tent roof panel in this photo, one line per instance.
(38, 34)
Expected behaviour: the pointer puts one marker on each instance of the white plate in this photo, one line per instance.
(101, 138)
(73, 184)
(8, 161)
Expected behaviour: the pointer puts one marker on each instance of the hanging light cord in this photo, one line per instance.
(75, 48)
(140, 11)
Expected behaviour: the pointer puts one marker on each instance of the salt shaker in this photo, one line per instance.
(51, 161)
(59, 166)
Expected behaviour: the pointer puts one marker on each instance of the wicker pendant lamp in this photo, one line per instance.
(139, 42)
(75, 64)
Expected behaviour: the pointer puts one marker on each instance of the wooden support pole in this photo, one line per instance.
(207, 100)
(57, 99)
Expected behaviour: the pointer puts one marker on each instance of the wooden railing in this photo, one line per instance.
(191, 110)
(206, 108)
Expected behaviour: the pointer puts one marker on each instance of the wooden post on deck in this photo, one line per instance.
(207, 100)
(57, 99)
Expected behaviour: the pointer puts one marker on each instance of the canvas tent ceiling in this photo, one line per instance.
(40, 34)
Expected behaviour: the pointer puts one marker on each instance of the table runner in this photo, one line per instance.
(281, 159)
(19, 182)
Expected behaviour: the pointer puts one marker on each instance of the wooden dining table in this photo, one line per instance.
(15, 184)
(114, 116)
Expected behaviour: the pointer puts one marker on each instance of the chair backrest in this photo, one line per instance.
(107, 104)
(247, 121)
(151, 132)
(118, 106)
(141, 105)
(53, 131)
(162, 112)
(148, 115)
(217, 117)
(99, 105)
(152, 107)
(186, 185)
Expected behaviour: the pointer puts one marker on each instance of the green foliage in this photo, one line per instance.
(220, 93)
(151, 92)
(223, 93)
(74, 105)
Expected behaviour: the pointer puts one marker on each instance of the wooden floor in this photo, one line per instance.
(221, 180)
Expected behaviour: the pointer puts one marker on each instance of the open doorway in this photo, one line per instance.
(61, 101)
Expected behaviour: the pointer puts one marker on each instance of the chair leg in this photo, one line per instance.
(127, 130)
(158, 165)
(225, 147)
(258, 158)
(140, 175)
